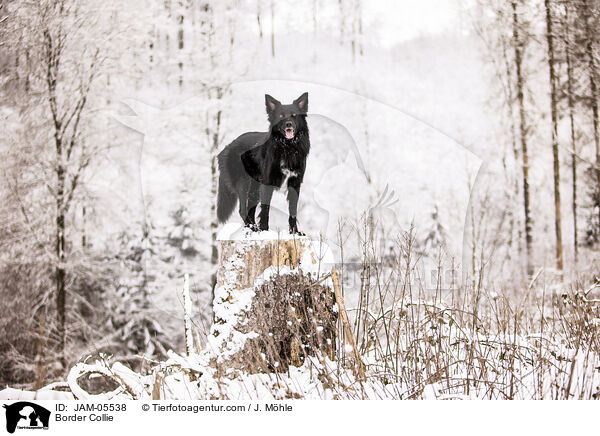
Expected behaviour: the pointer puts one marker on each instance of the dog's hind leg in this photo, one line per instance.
(266, 193)
(242, 191)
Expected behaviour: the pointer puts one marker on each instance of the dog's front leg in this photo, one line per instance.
(266, 193)
(253, 197)
(293, 194)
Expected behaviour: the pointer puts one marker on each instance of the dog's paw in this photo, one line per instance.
(294, 227)
(251, 226)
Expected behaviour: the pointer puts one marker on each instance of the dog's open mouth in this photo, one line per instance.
(289, 132)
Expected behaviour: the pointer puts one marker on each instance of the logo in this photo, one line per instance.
(26, 415)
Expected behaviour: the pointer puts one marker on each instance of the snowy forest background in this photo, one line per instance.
(458, 140)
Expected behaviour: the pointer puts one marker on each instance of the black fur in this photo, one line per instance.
(256, 163)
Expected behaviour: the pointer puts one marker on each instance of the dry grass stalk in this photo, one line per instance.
(346, 325)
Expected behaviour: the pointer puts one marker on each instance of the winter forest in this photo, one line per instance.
(454, 177)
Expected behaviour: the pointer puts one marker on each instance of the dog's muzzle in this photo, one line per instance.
(289, 129)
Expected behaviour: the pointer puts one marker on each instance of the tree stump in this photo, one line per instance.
(274, 303)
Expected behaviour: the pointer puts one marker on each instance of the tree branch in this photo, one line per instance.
(75, 181)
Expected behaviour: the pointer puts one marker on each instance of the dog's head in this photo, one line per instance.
(287, 120)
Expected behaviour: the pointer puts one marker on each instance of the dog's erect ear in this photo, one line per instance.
(302, 102)
(271, 103)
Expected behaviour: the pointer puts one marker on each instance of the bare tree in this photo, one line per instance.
(315, 12)
(180, 41)
(571, 108)
(495, 30)
(63, 68)
(217, 53)
(518, 46)
(592, 74)
(356, 43)
(342, 17)
(554, 114)
(258, 21)
(273, 28)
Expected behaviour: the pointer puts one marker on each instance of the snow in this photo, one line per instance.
(301, 382)
(43, 394)
(237, 232)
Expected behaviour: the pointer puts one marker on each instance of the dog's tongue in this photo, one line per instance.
(289, 133)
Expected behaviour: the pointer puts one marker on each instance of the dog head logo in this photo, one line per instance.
(24, 414)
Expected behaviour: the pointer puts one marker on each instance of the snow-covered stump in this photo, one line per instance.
(274, 303)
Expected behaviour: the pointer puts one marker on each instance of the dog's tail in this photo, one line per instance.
(226, 198)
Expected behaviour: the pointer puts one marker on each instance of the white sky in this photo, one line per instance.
(386, 21)
(401, 20)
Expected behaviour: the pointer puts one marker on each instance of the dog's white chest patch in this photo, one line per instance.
(287, 173)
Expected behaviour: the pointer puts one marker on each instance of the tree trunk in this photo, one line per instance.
(272, 28)
(360, 29)
(315, 10)
(84, 239)
(594, 91)
(214, 256)
(571, 104)
(554, 115)
(60, 258)
(342, 21)
(274, 305)
(180, 46)
(258, 13)
(523, 134)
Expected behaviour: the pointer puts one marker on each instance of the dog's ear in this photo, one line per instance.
(302, 102)
(271, 103)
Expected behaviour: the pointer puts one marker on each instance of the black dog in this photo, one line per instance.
(256, 163)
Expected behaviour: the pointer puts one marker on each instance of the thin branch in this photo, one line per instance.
(75, 181)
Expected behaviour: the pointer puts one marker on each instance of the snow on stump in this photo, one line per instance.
(274, 303)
